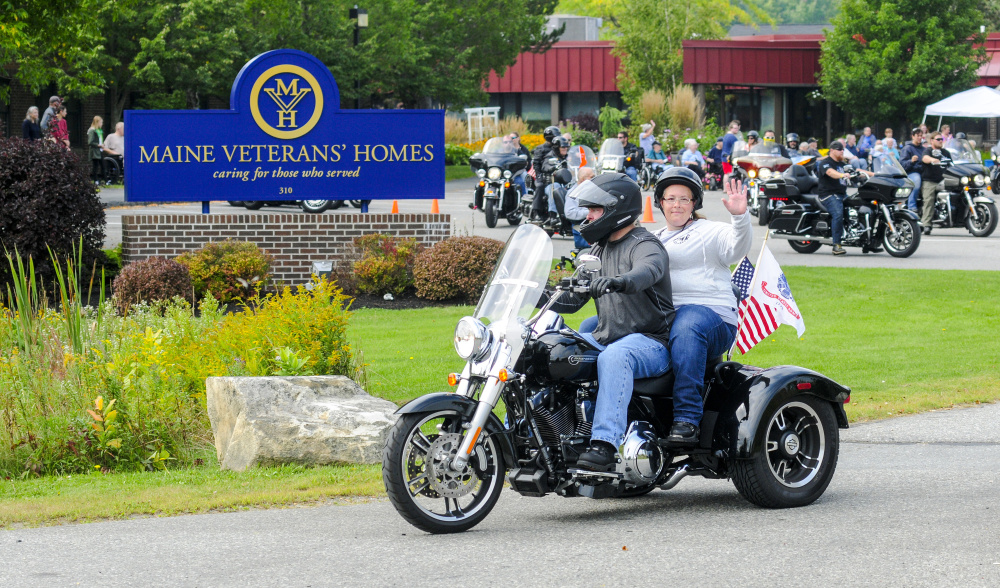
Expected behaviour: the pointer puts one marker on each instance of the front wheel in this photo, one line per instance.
(805, 246)
(798, 457)
(356, 203)
(253, 204)
(763, 212)
(514, 218)
(987, 221)
(315, 206)
(490, 209)
(424, 489)
(907, 238)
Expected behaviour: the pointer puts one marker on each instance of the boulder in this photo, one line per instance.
(301, 419)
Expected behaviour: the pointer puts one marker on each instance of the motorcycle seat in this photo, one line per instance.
(815, 201)
(663, 386)
(800, 176)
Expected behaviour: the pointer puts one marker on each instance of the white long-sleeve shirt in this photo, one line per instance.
(700, 255)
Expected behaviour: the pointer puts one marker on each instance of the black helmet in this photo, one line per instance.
(550, 133)
(959, 135)
(754, 134)
(792, 138)
(620, 198)
(560, 142)
(679, 175)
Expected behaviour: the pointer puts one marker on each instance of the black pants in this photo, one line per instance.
(696, 169)
(540, 205)
(96, 170)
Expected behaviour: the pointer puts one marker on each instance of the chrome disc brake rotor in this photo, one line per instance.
(444, 480)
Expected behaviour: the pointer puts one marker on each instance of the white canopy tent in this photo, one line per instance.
(979, 102)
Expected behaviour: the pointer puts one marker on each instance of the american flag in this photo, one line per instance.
(757, 319)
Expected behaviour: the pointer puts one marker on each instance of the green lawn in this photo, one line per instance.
(903, 340)
(457, 172)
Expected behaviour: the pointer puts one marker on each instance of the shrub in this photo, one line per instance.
(652, 105)
(455, 130)
(230, 270)
(686, 111)
(512, 124)
(611, 120)
(149, 280)
(581, 137)
(532, 140)
(456, 154)
(586, 121)
(386, 264)
(456, 267)
(46, 199)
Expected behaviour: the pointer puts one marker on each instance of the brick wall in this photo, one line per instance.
(295, 240)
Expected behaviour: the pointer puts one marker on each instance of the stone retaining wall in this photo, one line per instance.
(295, 240)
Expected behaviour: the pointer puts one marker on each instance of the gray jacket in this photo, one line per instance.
(645, 306)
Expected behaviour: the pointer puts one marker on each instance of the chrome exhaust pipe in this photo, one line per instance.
(787, 237)
(676, 477)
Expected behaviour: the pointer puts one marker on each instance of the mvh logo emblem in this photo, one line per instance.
(287, 93)
(286, 107)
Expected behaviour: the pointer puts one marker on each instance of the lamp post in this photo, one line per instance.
(360, 18)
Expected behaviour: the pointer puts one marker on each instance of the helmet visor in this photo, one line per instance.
(589, 194)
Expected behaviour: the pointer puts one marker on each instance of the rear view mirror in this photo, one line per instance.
(588, 263)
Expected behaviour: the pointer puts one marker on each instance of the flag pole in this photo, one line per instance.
(753, 283)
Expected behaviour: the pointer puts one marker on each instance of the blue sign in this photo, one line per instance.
(284, 138)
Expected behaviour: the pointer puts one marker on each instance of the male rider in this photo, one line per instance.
(518, 149)
(631, 167)
(559, 153)
(776, 148)
(634, 308)
(542, 152)
(792, 143)
(911, 158)
(833, 191)
(930, 177)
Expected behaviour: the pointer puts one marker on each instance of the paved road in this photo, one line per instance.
(915, 502)
(945, 249)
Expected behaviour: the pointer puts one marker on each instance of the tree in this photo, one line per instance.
(650, 33)
(53, 42)
(800, 11)
(886, 60)
(990, 10)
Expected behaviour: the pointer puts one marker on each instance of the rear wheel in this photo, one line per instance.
(253, 204)
(986, 223)
(763, 212)
(798, 457)
(424, 489)
(906, 240)
(490, 210)
(805, 246)
(315, 206)
(335, 204)
(356, 203)
(514, 218)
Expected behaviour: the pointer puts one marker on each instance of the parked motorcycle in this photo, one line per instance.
(961, 198)
(874, 216)
(755, 167)
(496, 195)
(310, 206)
(773, 431)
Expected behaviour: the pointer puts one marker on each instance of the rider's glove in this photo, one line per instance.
(605, 284)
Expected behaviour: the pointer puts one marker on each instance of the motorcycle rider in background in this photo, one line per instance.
(515, 143)
(560, 149)
(911, 158)
(541, 153)
(631, 167)
(776, 148)
(634, 308)
(833, 190)
(930, 177)
(792, 143)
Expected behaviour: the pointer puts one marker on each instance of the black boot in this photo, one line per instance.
(600, 457)
(683, 434)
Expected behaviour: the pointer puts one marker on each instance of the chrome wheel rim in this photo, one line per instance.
(440, 492)
(903, 238)
(796, 445)
(984, 217)
(314, 203)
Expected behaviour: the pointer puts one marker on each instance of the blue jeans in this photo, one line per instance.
(632, 173)
(697, 334)
(578, 241)
(834, 204)
(552, 201)
(911, 200)
(633, 356)
(519, 180)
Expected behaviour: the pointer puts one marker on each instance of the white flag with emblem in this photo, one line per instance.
(767, 304)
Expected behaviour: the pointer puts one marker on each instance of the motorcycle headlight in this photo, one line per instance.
(481, 173)
(979, 179)
(765, 173)
(610, 164)
(752, 173)
(471, 338)
(507, 174)
(903, 193)
(494, 173)
(965, 180)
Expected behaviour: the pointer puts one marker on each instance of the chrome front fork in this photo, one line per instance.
(487, 402)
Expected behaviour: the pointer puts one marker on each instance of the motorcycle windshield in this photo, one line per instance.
(516, 285)
(886, 164)
(498, 145)
(611, 147)
(962, 152)
(763, 155)
(581, 156)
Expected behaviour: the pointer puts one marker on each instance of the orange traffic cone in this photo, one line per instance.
(395, 207)
(647, 211)
(434, 207)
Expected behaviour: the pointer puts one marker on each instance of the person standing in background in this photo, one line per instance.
(29, 128)
(54, 103)
(95, 140)
(60, 128)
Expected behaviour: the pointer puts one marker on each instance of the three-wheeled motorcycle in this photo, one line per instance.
(773, 431)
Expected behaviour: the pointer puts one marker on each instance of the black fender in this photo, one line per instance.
(905, 213)
(466, 407)
(752, 396)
